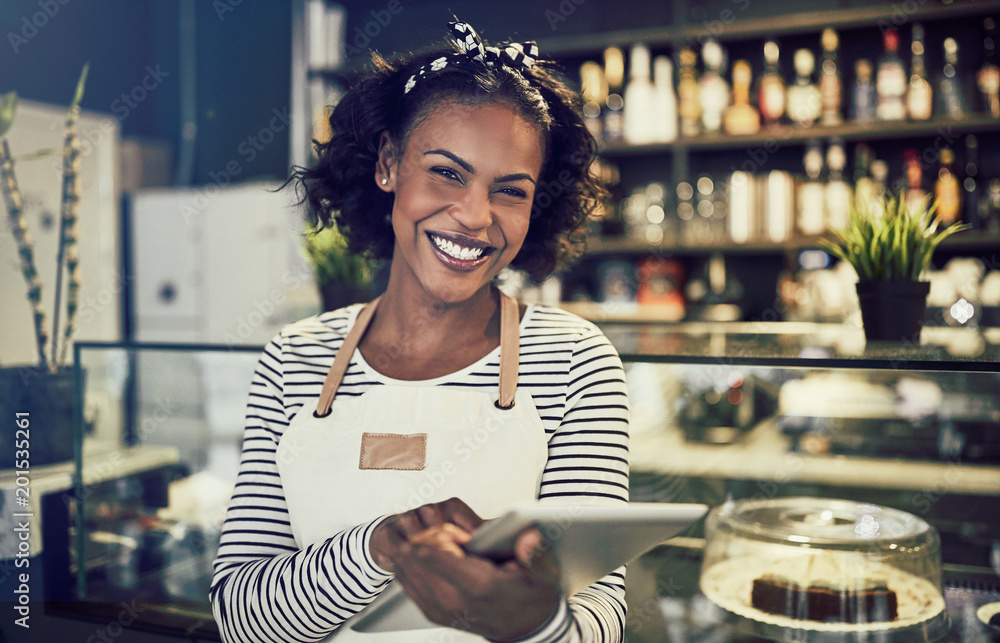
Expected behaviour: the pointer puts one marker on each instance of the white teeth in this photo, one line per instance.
(454, 250)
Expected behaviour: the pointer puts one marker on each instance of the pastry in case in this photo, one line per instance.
(826, 569)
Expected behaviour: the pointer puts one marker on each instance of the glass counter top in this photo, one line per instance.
(793, 343)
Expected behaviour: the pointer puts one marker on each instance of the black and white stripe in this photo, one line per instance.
(267, 589)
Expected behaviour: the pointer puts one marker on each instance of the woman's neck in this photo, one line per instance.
(414, 336)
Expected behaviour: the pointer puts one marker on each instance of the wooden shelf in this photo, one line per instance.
(950, 129)
(760, 27)
(968, 240)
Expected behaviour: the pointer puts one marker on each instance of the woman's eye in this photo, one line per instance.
(514, 192)
(446, 172)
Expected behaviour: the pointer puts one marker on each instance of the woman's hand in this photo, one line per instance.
(471, 593)
(443, 525)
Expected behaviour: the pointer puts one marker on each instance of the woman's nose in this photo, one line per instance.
(475, 211)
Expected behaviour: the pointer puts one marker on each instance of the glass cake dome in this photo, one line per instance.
(828, 569)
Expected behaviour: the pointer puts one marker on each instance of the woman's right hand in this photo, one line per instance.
(454, 519)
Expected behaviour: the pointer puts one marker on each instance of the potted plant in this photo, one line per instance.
(890, 243)
(343, 278)
(43, 393)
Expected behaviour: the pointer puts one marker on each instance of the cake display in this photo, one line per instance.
(828, 569)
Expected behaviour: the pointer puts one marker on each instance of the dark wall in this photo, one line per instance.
(243, 58)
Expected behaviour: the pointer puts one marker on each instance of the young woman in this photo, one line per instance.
(378, 436)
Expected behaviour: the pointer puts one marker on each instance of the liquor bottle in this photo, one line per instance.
(742, 117)
(811, 216)
(688, 94)
(914, 172)
(804, 103)
(829, 79)
(771, 92)
(664, 101)
(988, 77)
(947, 191)
(880, 172)
(714, 89)
(864, 187)
(614, 72)
(638, 127)
(838, 193)
(974, 202)
(594, 91)
(951, 96)
(919, 95)
(890, 81)
(863, 103)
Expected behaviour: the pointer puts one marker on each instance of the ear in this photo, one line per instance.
(387, 164)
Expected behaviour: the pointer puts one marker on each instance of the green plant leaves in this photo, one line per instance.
(8, 108)
(891, 240)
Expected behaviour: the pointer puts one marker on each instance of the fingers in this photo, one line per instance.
(456, 511)
(446, 537)
(537, 555)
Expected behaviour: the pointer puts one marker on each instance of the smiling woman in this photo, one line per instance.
(379, 436)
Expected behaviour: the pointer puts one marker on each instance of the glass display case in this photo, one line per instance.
(720, 412)
(158, 448)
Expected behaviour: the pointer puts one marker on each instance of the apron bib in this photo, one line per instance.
(400, 446)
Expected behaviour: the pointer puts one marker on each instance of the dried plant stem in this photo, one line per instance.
(67, 229)
(12, 198)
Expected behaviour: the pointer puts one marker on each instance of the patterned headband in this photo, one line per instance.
(514, 55)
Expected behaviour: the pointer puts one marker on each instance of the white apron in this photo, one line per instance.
(362, 459)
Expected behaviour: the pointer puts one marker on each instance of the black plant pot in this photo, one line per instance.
(48, 400)
(893, 311)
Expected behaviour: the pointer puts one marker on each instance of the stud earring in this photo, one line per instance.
(385, 181)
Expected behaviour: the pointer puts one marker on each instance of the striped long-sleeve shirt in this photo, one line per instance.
(266, 588)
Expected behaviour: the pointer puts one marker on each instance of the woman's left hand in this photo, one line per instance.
(467, 592)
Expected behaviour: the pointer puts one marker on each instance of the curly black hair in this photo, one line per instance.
(340, 187)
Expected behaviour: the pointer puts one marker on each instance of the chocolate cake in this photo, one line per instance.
(874, 603)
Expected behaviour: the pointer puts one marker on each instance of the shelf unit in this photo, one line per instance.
(687, 158)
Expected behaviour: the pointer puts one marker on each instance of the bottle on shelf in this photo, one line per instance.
(973, 198)
(777, 189)
(919, 95)
(614, 72)
(863, 95)
(771, 90)
(685, 211)
(947, 191)
(742, 203)
(829, 79)
(914, 171)
(988, 77)
(951, 95)
(838, 192)
(880, 174)
(688, 93)
(992, 209)
(714, 89)
(594, 91)
(804, 102)
(638, 98)
(864, 187)
(742, 117)
(664, 101)
(890, 81)
(705, 225)
(811, 219)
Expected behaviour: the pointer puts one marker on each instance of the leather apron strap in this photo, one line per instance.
(510, 349)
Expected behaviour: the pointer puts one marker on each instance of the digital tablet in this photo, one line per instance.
(589, 542)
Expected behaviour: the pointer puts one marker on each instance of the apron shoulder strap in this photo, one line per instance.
(510, 349)
(343, 358)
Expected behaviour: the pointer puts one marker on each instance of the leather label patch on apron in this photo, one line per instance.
(393, 451)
